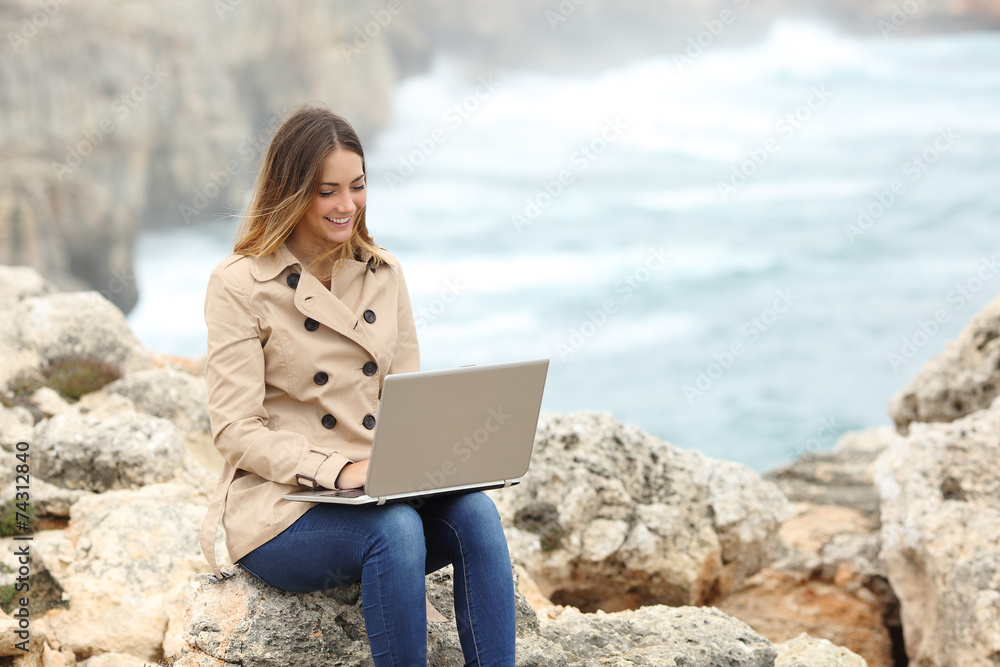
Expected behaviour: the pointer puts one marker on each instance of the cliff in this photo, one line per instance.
(117, 115)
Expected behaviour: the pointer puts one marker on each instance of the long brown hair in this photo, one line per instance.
(289, 178)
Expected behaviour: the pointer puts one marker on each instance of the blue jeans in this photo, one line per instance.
(390, 549)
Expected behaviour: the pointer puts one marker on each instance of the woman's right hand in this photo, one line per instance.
(352, 476)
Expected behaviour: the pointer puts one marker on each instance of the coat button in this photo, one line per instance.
(329, 421)
(292, 280)
(370, 316)
(370, 368)
(368, 422)
(311, 324)
(320, 378)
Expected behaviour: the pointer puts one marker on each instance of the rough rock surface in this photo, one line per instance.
(805, 651)
(169, 394)
(17, 283)
(125, 563)
(963, 378)
(122, 451)
(940, 490)
(244, 621)
(844, 476)
(80, 325)
(657, 635)
(16, 425)
(609, 517)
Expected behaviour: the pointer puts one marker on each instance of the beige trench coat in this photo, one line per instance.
(295, 373)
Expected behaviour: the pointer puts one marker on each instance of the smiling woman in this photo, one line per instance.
(305, 321)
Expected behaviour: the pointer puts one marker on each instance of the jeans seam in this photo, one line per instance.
(465, 584)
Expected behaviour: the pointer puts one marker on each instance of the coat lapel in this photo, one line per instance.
(314, 300)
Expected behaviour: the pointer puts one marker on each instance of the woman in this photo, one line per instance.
(304, 322)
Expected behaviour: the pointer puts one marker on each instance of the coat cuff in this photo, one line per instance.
(321, 469)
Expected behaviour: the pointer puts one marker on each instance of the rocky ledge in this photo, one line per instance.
(627, 550)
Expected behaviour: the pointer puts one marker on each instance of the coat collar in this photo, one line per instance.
(268, 267)
(311, 297)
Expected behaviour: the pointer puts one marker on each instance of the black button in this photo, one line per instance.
(320, 378)
(311, 324)
(292, 280)
(370, 368)
(329, 421)
(370, 316)
(368, 422)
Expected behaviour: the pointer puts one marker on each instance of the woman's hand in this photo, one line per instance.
(352, 476)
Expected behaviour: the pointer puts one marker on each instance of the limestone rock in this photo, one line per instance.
(244, 621)
(114, 660)
(940, 492)
(963, 378)
(657, 635)
(805, 651)
(76, 326)
(16, 425)
(20, 282)
(169, 394)
(125, 450)
(609, 517)
(843, 476)
(781, 604)
(125, 563)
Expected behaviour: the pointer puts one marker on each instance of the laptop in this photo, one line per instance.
(448, 431)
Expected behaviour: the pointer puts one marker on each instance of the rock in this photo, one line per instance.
(20, 282)
(47, 500)
(842, 477)
(940, 493)
(16, 425)
(79, 325)
(114, 660)
(244, 621)
(805, 651)
(609, 517)
(657, 635)
(125, 563)
(44, 592)
(122, 451)
(49, 402)
(168, 394)
(963, 378)
(781, 604)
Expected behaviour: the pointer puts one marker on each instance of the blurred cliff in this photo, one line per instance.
(116, 115)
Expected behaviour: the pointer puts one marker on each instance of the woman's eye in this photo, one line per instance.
(358, 188)
(325, 194)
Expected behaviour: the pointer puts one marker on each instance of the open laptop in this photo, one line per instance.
(446, 431)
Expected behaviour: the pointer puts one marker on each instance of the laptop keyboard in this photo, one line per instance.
(344, 493)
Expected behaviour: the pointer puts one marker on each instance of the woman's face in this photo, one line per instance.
(342, 192)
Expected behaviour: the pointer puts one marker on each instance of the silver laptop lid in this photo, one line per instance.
(455, 427)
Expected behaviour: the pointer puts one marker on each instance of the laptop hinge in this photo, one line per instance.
(507, 482)
(381, 500)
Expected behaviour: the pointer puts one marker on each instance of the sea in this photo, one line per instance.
(741, 250)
